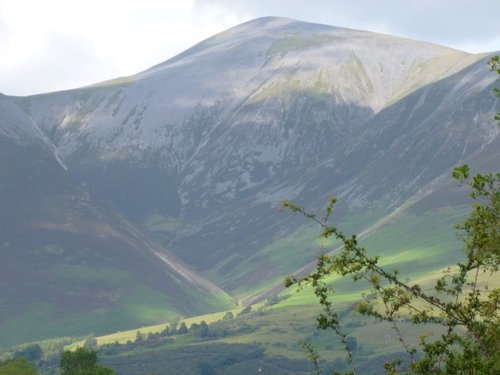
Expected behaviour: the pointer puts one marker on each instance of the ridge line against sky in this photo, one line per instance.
(54, 45)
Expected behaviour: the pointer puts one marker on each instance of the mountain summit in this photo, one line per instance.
(196, 152)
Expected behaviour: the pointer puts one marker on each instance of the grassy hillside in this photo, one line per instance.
(418, 244)
(71, 264)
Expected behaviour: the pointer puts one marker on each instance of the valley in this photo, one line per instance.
(147, 201)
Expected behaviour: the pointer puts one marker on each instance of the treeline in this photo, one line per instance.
(78, 362)
(197, 332)
(207, 359)
(17, 366)
(38, 358)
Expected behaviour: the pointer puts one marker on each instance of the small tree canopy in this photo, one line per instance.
(182, 330)
(31, 352)
(17, 366)
(82, 362)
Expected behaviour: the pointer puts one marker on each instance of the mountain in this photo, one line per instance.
(195, 154)
(69, 259)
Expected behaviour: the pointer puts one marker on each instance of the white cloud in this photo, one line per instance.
(57, 44)
(50, 45)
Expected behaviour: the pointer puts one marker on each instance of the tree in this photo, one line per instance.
(467, 311)
(494, 64)
(90, 343)
(205, 368)
(165, 331)
(82, 362)
(246, 310)
(200, 330)
(139, 337)
(31, 352)
(17, 366)
(203, 329)
(174, 325)
(182, 329)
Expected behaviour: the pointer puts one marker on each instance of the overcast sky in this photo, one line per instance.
(48, 45)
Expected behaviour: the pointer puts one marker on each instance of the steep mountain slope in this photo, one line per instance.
(70, 264)
(200, 149)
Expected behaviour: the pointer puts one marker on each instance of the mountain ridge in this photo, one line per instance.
(160, 121)
(194, 154)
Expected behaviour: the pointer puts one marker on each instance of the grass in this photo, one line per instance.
(17, 330)
(400, 244)
(419, 245)
(289, 254)
(52, 249)
(317, 85)
(281, 256)
(140, 305)
(416, 244)
(295, 42)
(427, 71)
(83, 273)
(123, 337)
(157, 222)
(292, 86)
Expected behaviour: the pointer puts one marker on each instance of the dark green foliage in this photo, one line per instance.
(82, 362)
(182, 329)
(90, 343)
(17, 366)
(186, 360)
(32, 352)
(173, 327)
(200, 330)
(204, 331)
(276, 299)
(213, 358)
(246, 310)
(205, 368)
(165, 331)
(495, 67)
(139, 336)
